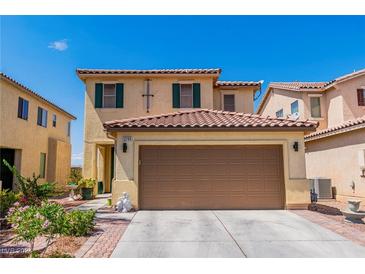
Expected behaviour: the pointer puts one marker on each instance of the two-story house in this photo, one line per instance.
(337, 149)
(34, 135)
(182, 139)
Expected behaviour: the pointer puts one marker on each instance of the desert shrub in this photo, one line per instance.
(30, 222)
(27, 223)
(32, 191)
(7, 199)
(79, 223)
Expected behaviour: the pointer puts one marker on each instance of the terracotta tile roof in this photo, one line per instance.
(350, 75)
(148, 71)
(31, 92)
(298, 85)
(210, 119)
(340, 128)
(308, 86)
(236, 83)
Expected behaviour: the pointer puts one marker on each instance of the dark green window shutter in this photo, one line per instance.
(196, 95)
(176, 95)
(98, 95)
(120, 96)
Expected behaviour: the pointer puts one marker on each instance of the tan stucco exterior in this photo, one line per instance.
(282, 99)
(126, 169)
(97, 145)
(335, 156)
(29, 140)
(338, 102)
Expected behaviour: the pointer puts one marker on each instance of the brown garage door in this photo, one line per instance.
(211, 177)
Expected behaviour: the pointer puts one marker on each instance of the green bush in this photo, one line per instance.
(87, 183)
(75, 176)
(7, 199)
(27, 223)
(33, 192)
(79, 223)
(48, 220)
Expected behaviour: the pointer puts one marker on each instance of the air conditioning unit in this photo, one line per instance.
(322, 187)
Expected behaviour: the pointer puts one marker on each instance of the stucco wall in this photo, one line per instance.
(282, 99)
(336, 157)
(31, 139)
(297, 188)
(134, 106)
(243, 98)
(346, 95)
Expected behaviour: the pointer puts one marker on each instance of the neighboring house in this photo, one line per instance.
(337, 150)
(34, 136)
(163, 136)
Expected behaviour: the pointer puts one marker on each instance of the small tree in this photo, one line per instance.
(75, 176)
(33, 192)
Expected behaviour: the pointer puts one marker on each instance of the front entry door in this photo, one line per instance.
(6, 176)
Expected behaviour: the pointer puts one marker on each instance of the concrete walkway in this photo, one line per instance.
(239, 233)
(94, 204)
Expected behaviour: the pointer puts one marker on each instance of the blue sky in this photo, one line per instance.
(269, 48)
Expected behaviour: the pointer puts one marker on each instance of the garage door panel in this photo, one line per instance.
(211, 177)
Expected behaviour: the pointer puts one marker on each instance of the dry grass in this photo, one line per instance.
(65, 245)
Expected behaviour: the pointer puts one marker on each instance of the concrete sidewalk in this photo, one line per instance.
(230, 233)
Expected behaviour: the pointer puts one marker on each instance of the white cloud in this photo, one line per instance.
(77, 159)
(60, 45)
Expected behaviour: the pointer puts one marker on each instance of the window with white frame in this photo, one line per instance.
(294, 107)
(109, 96)
(23, 106)
(315, 105)
(186, 95)
(42, 117)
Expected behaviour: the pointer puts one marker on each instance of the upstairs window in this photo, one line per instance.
(228, 102)
(361, 97)
(294, 107)
(109, 96)
(315, 104)
(186, 95)
(23, 106)
(54, 120)
(280, 113)
(42, 117)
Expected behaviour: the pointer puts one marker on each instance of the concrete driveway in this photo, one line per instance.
(230, 233)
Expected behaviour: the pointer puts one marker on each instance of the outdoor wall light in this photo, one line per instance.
(124, 147)
(296, 146)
